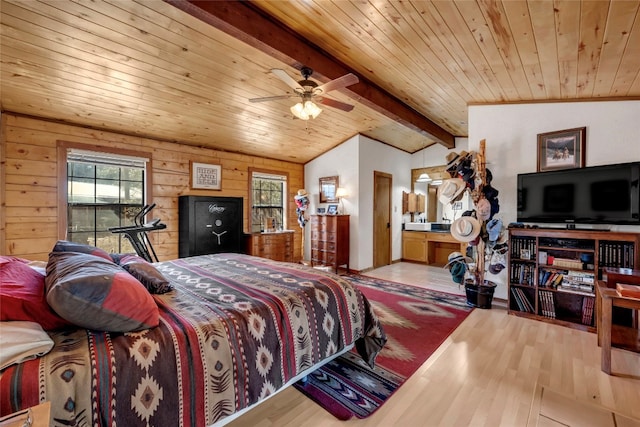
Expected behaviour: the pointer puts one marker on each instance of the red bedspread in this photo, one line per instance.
(233, 331)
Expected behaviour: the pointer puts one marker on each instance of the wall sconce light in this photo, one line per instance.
(341, 193)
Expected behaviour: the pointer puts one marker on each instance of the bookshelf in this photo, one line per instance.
(553, 272)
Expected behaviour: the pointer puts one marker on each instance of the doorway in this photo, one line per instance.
(382, 185)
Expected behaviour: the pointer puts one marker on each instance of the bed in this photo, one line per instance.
(231, 331)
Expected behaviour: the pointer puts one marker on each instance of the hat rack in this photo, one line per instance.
(476, 195)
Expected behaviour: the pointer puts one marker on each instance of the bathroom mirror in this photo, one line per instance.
(434, 209)
(328, 189)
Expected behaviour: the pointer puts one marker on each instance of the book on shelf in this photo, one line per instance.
(547, 304)
(522, 300)
(616, 254)
(551, 278)
(516, 298)
(587, 311)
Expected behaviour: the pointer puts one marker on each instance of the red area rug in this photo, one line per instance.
(416, 322)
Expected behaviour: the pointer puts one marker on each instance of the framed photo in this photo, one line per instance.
(321, 211)
(332, 210)
(205, 176)
(525, 254)
(563, 149)
(328, 189)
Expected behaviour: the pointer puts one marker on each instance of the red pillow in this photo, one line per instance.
(22, 296)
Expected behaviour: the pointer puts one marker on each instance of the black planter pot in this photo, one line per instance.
(479, 296)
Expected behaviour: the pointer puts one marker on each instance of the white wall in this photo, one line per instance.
(354, 161)
(375, 156)
(613, 136)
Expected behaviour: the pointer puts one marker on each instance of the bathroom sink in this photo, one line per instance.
(427, 226)
(417, 226)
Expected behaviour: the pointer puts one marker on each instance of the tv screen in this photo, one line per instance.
(595, 195)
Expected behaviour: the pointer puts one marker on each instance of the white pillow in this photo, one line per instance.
(20, 341)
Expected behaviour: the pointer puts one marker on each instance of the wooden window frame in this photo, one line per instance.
(63, 146)
(285, 200)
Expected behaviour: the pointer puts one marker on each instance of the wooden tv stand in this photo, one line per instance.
(575, 257)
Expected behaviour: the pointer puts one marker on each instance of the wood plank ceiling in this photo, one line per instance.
(149, 68)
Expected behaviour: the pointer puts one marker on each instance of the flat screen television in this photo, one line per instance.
(595, 195)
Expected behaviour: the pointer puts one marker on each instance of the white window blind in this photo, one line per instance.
(84, 156)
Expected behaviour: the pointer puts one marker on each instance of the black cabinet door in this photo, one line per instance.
(209, 225)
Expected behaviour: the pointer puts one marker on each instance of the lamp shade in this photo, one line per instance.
(424, 177)
(306, 111)
(341, 192)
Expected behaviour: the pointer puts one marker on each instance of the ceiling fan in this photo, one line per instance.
(309, 91)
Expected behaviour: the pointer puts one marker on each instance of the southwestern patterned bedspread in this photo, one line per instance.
(234, 330)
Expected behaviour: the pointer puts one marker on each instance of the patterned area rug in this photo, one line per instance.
(416, 322)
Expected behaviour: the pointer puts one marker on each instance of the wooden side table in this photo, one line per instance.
(609, 334)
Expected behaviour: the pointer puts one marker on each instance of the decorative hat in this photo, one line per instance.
(457, 257)
(465, 229)
(497, 263)
(452, 159)
(450, 190)
(489, 192)
(488, 176)
(301, 194)
(457, 272)
(494, 227)
(483, 209)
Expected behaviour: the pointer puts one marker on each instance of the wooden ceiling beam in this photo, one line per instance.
(246, 22)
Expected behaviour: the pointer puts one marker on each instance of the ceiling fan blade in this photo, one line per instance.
(340, 82)
(269, 98)
(335, 104)
(282, 75)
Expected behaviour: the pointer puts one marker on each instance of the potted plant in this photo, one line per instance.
(477, 226)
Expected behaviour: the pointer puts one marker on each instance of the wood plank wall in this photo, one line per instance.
(28, 198)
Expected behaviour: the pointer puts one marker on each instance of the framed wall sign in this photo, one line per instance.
(206, 176)
(563, 149)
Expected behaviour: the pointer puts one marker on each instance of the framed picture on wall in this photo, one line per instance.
(563, 149)
(332, 210)
(206, 176)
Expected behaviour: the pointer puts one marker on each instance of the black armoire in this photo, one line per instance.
(209, 225)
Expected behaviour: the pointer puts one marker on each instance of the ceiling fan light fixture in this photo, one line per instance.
(299, 111)
(307, 111)
(312, 109)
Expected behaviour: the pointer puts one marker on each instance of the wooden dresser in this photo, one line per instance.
(276, 246)
(330, 240)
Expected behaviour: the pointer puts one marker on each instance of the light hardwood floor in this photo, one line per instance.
(485, 374)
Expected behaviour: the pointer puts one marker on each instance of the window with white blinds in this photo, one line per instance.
(268, 200)
(104, 190)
